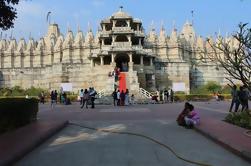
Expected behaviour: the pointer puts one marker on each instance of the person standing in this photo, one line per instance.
(118, 98)
(247, 95)
(56, 96)
(171, 95)
(234, 95)
(81, 95)
(127, 97)
(52, 99)
(122, 98)
(85, 99)
(114, 96)
(166, 95)
(243, 97)
(132, 99)
(92, 95)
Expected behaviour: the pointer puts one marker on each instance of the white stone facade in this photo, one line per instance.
(152, 61)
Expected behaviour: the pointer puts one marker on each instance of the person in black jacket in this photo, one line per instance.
(114, 95)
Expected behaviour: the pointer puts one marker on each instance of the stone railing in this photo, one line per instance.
(101, 93)
(122, 44)
(139, 33)
(123, 29)
(106, 48)
(145, 93)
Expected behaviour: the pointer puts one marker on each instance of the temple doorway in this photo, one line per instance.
(122, 62)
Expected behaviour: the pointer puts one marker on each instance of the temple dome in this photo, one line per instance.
(121, 14)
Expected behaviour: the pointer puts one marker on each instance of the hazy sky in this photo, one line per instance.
(210, 16)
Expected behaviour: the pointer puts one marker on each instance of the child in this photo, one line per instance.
(132, 99)
(192, 118)
(181, 118)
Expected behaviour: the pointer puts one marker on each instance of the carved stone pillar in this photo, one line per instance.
(140, 42)
(128, 23)
(137, 27)
(113, 56)
(141, 60)
(130, 62)
(103, 41)
(91, 63)
(113, 38)
(112, 60)
(113, 23)
(129, 38)
(151, 61)
(101, 60)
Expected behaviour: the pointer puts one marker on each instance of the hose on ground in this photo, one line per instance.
(146, 137)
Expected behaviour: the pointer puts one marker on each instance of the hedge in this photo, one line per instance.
(17, 112)
(242, 119)
(198, 97)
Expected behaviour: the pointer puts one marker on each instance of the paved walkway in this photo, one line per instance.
(14, 145)
(229, 136)
(77, 146)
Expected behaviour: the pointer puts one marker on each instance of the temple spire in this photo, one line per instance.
(120, 8)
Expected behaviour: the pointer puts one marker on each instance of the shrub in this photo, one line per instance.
(192, 97)
(16, 112)
(179, 97)
(241, 119)
(18, 91)
(72, 97)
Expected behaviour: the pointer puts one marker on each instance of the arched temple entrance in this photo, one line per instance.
(122, 62)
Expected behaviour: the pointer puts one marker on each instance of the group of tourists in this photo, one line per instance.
(54, 97)
(188, 117)
(239, 97)
(168, 95)
(86, 96)
(121, 98)
(62, 96)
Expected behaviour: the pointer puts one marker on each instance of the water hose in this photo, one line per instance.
(145, 137)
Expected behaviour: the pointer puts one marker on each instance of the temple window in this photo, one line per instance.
(121, 23)
(108, 41)
(121, 38)
(136, 59)
(146, 61)
(107, 60)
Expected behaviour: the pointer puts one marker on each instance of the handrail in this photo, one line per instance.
(145, 93)
(101, 93)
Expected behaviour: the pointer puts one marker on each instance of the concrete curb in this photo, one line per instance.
(14, 153)
(243, 154)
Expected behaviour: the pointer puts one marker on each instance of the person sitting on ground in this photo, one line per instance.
(181, 118)
(192, 117)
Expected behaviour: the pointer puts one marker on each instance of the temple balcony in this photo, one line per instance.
(122, 44)
(105, 33)
(139, 33)
(122, 30)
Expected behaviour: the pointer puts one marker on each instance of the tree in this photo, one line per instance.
(7, 13)
(233, 55)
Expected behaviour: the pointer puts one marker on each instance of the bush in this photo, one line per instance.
(210, 88)
(16, 112)
(72, 97)
(241, 119)
(18, 91)
(192, 97)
